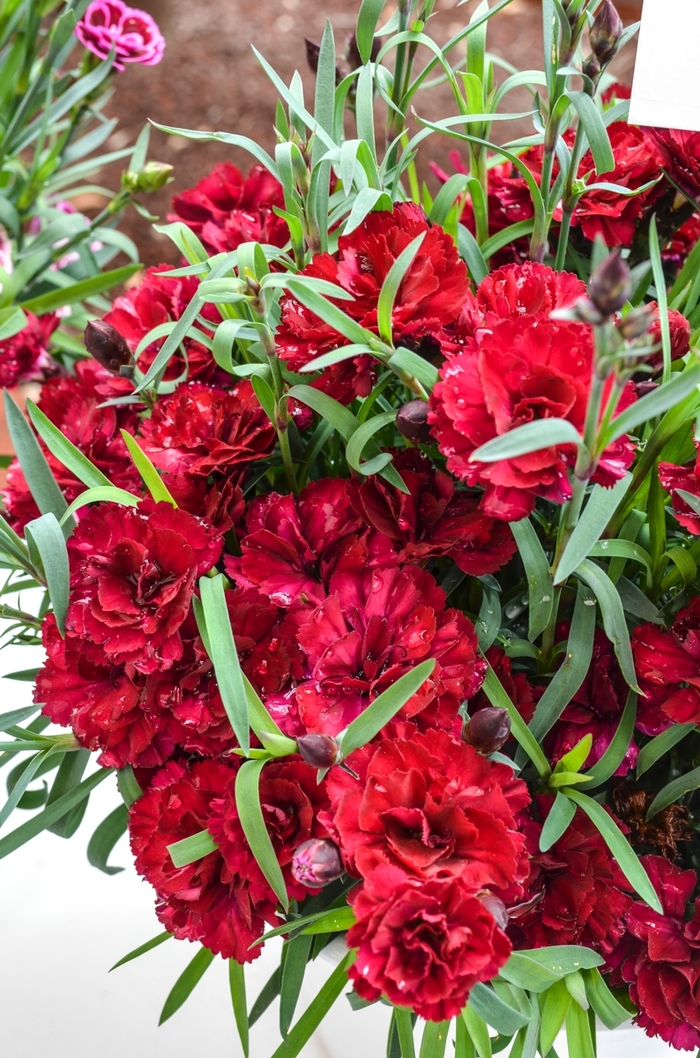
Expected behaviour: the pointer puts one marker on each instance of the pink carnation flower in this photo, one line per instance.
(111, 24)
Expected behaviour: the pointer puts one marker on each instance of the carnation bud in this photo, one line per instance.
(412, 421)
(497, 908)
(316, 863)
(152, 177)
(642, 388)
(636, 323)
(605, 32)
(107, 346)
(591, 67)
(487, 730)
(319, 751)
(610, 286)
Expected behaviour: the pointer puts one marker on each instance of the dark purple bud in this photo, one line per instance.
(497, 908)
(313, 51)
(107, 346)
(636, 323)
(412, 421)
(591, 67)
(642, 388)
(319, 751)
(316, 863)
(605, 32)
(610, 286)
(487, 730)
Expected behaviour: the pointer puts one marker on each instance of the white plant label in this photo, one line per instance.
(666, 85)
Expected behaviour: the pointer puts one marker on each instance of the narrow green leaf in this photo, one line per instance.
(661, 296)
(65, 451)
(12, 321)
(472, 254)
(528, 973)
(434, 1039)
(69, 775)
(105, 838)
(539, 577)
(103, 494)
(404, 1030)
(84, 289)
(47, 548)
(224, 657)
(603, 1002)
(391, 285)
(51, 814)
(384, 708)
(191, 849)
(128, 786)
(315, 1012)
(653, 404)
(619, 847)
(267, 996)
(186, 983)
(578, 1033)
(16, 716)
(253, 823)
(635, 602)
(614, 755)
(498, 696)
(358, 441)
(236, 978)
(576, 988)
(555, 1005)
(151, 478)
(601, 506)
(565, 958)
(21, 785)
(660, 746)
(142, 949)
(329, 313)
(532, 437)
(613, 614)
(596, 132)
(42, 485)
(367, 20)
(673, 791)
(557, 822)
(266, 397)
(478, 1030)
(503, 1017)
(296, 958)
(407, 363)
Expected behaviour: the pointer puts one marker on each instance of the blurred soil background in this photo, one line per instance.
(210, 79)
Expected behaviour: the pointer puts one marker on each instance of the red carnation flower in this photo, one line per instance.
(133, 572)
(158, 299)
(668, 666)
(24, 356)
(678, 151)
(576, 893)
(687, 478)
(431, 805)
(422, 944)
(292, 546)
(200, 430)
(430, 296)
(528, 289)
(515, 372)
(205, 901)
(675, 253)
(660, 957)
(432, 522)
(225, 208)
(374, 626)
(291, 799)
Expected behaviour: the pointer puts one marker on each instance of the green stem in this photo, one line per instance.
(569, 199)
(282, 417)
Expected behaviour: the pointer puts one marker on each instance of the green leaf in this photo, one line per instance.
(488, 621)
(128, 786)
(69, 775)
(614, 755)
(539, 577)
(532, 437)
(601, 506)
(576, 757)
(620, 549)
(253, 824)
(105, 838)
(142, 949)
(42, 485)
(329, 313)
(434, 1039)
(565, 958)
(554, 1007)
(653, 404)
(612, 612)
(185, 239)
(391, 285)
(267, 996)
(366, 25)
(578, 1033)
(102, 494)
(296, 957)
(236, 978)
(603, 1002)
(673, 791)
(151, 478)
(498, 696)
(619, 847)
(65, 451)
(528, 973)
(660, 746)
(407, 363)
(316, 1011)
(16, 716)
(191, 849)
(51, 814)
(478, 1030)
(576, 988)
(86, 288)
(12, 321)
(47, 548)
(186, 983)
(504, 1018)
(337, 920)
(21, 785)
(404, 1031)
(557, 822)
(224, 656)
(384, 708)
(358, 441)
(634, 601)
(596, 132)
(266, 397)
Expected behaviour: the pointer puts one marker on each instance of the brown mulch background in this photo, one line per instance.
(210, 79)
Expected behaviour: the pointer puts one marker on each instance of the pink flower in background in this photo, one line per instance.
(111, 24)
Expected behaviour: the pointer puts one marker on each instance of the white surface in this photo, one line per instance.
(63, 924)
(666, 85)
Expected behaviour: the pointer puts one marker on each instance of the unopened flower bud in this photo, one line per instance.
(610, 286)
(316, 863)
(636, 323)
(319, 751)
(107, 346)
(642, 388)
(591, 67)
(412, 421)
(496, 907)
(152, 177)
(605, 32)
(487, 730)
